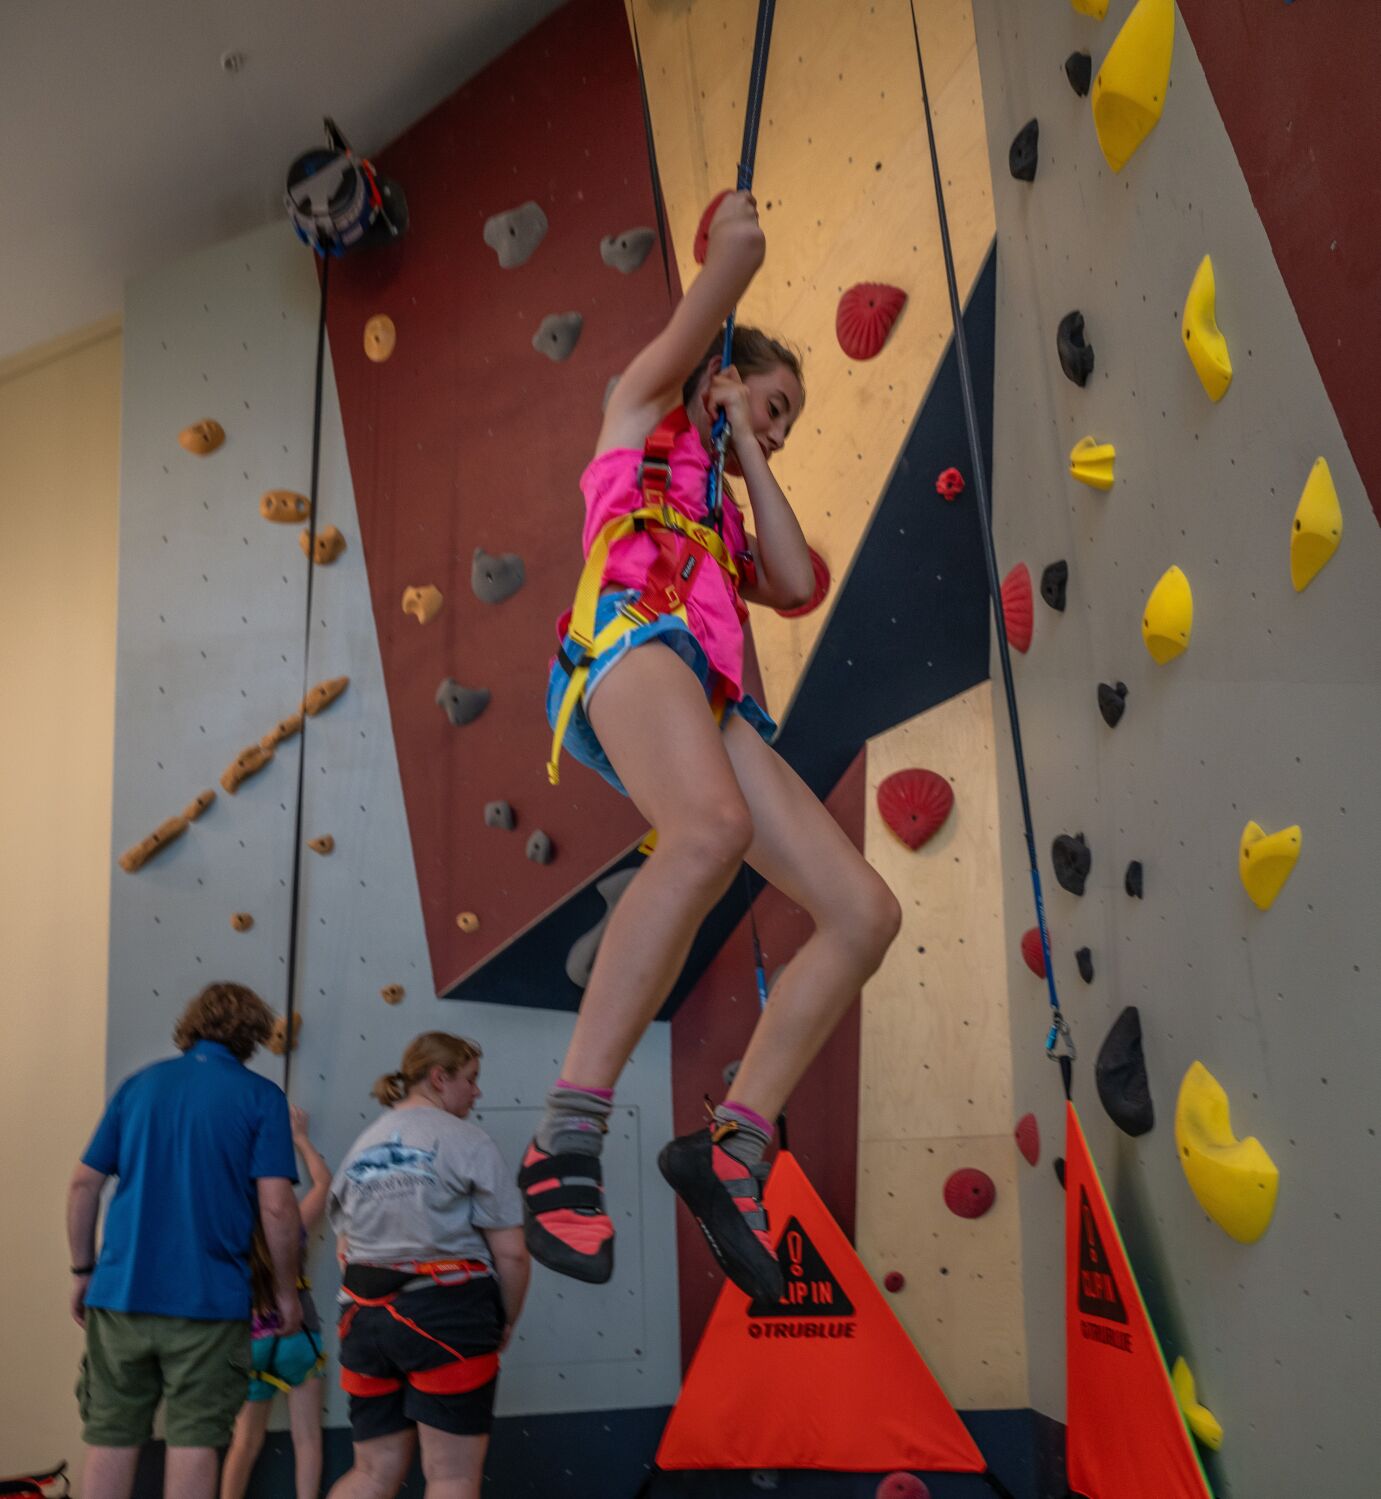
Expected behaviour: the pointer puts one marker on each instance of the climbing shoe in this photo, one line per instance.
(565, 1226)
(725, 1197)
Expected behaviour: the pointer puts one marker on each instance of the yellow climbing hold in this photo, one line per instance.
(1318, 526)
(1095, 8)
(1202, 1422)
(1265, 861)
(1206, 346)
(1234, 1180)
(1169, 617)
(1129, 91)
(1091, 462)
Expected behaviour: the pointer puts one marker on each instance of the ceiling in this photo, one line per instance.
(128, 144)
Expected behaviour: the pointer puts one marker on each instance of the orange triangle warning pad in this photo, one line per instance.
(825, 1378)
(1127, 1438)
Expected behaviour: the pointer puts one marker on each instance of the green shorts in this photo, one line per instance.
(135, 1360)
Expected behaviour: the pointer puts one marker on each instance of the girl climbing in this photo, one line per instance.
(671, 727)
(291, 1364)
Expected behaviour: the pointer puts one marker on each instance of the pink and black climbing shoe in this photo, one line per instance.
(565, 1225)
(725, 1197)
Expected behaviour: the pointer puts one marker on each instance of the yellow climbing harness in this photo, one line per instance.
(682, 543)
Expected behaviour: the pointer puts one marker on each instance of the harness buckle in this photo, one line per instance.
(654, 473)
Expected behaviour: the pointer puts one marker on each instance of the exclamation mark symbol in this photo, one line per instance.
(794, 1249)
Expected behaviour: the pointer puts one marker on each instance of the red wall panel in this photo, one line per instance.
(1296, 87)
(467, 437)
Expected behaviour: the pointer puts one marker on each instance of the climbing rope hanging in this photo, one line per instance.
(1059, 1043)
(752, 118)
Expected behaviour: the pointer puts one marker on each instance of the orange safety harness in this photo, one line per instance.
(465, 1372)
(683, 545)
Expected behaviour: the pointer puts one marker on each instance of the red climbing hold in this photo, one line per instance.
(817, 593)
(902, 1486)
(914, 804)
(1028, 1134)
(865, 316)
(969, 1192)
(1032, 952)
(894, 1281)
(1018, 608)
(950, 484)
(702, 233)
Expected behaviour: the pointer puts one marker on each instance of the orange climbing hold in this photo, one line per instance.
(284, 506)
(1018, 607)
(202, 437)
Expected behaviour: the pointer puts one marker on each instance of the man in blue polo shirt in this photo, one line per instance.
(198, 1142)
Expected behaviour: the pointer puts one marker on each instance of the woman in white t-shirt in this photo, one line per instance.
(429, 1228)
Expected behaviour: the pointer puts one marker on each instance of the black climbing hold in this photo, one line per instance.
(731, 1072)
(461, 705)
(1072, 861)
(1053, 581)
(499, 815)
(1076, 357)
(1079, 71)
(1021, 158)
(1112, 703)
(1132, 881)
(1084, 958)
(1059, 1164)
(539, 848)
(495, 577)
(1123, 1087)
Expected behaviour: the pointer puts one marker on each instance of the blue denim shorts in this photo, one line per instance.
(581, 741)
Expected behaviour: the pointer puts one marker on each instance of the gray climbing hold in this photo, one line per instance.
(539, 848)
(496, 576)
(626, 252)
(499, 815)
(1084, 958)
(515, 235)
(581, 958)
(608, 391)
(461, 705)
(557, 335)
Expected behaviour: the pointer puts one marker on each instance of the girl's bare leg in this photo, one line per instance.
(304, 1417)
(799, 848)
(653, 721)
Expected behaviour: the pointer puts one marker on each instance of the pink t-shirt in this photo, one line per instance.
(610, 487)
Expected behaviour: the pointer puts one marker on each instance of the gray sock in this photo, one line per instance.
(747, 1139)
(575, 1120)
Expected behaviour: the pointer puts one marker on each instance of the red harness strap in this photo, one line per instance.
(464, 1373)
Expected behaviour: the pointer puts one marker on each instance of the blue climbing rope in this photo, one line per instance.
(752, 118)
(1059, 1043)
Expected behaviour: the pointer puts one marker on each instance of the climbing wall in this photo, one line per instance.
(843, 186)
(210, 656)
(1268, 715)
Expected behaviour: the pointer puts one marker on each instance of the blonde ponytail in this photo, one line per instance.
(430, 1049)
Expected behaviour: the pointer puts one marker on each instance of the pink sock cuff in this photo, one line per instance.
(748, 1116)
(607, 1094)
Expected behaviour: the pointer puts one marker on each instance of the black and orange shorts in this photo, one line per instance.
(428, 1357)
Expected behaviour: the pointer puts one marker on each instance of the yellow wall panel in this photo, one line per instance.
(844, 189)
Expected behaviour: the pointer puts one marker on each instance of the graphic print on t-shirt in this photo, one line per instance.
(392, 1159)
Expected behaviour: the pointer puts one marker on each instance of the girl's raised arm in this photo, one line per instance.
(652, 382)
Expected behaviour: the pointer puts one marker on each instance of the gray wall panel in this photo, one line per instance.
(1271, 714)
(213, 616)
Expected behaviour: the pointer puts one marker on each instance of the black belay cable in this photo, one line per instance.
(295, 903)
(1058, 1033)
(658, 199)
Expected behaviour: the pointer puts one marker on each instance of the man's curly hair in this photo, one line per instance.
(228, 1013)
